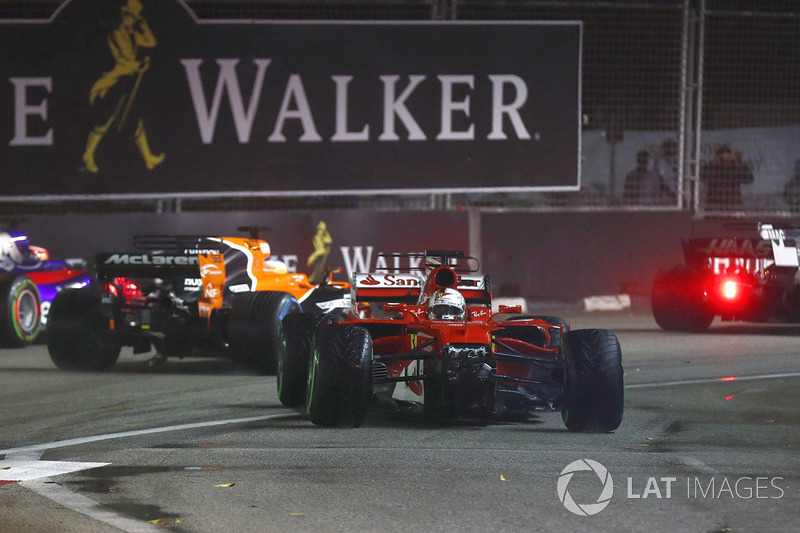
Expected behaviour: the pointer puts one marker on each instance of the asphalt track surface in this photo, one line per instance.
(709, 443)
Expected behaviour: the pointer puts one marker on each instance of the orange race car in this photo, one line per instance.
(186, 295)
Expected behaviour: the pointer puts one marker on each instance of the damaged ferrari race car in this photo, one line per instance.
(186, 296)
(442, 350)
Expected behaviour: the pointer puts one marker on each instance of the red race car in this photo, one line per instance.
(441, 350)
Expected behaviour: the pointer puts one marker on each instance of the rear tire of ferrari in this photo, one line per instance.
(77, 335)
(340, 376)
(254, 327)
(594, 394)
(294, 357)
(677, 300)
(21, 311)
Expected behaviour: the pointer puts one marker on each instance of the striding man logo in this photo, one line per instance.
(114, 99)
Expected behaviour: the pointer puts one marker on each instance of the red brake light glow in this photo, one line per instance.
(130, 290)
(730, 290)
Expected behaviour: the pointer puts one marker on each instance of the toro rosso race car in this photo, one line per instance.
(442, 350)
(29, 280)
(185, 295)
(750, 279)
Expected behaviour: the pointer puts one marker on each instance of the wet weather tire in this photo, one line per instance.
(594, 395)
(254, 327)
(340, 376)
(21, 311)
(78, 337)
(677, 300)
(293, 358)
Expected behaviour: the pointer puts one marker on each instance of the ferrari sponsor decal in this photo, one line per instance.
(472, 282)
(481, 312)
(386, 280)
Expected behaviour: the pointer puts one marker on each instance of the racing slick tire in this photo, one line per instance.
(77, 335)
(20, 311)
(294, 355)
(254, 327)
(677, 300)
(594, 395)
(340, 376)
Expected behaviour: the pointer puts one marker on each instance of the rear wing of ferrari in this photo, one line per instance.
(406, 288)
(774, 244)
(394, 288)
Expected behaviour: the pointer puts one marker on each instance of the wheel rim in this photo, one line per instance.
(26, 311)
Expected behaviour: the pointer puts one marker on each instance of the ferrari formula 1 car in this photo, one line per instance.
(751, 279)
(186, 295)
(443, 351)
(29, 280)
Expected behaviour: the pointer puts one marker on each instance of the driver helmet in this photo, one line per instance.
(274, 266)
(447, 304)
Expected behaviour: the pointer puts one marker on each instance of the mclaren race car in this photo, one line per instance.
(751, 279)
(442, 351)
(182, 296)
(29, 280)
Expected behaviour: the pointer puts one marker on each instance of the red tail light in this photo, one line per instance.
(730, 289)
(129, 289)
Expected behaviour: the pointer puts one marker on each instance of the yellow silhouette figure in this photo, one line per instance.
(319, 257)
(112, 96)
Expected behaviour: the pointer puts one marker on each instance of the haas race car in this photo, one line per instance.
(441, 350)
(751, 279)
(29, 280)
(185, 296)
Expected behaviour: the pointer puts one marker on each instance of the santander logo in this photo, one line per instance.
(369, 280)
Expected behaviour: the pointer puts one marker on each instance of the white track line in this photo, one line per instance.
(134, 433)
(86, 506)
(730, 379)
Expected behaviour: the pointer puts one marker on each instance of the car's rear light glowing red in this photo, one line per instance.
(730, 289)
(130, 290)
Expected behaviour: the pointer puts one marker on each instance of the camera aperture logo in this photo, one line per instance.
(716, 487)
(585, 509)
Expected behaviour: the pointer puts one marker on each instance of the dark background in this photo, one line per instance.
(73, 51)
